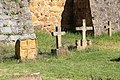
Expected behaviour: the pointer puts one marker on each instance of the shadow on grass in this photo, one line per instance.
(46, 54)
(7, 58)
(71, 47)
(13, 58)
(100, 78)
(115, 60)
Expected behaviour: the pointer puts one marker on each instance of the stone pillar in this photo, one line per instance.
(26, 49)
(46, 14)
(15, 22)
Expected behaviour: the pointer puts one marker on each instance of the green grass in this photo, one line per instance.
(45, 41)
(6, 51)
(96, 63)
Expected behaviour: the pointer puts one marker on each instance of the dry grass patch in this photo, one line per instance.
(34, 76)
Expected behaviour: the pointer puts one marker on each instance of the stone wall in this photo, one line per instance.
(97, 14)
(103, 11)
(15, 21)
(46, 14)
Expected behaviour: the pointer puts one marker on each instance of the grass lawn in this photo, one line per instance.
(100, 62)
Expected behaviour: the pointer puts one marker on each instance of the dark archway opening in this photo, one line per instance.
(17, 49)
(74, 12)
(67, 21)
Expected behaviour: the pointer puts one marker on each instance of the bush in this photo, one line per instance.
(6, 52)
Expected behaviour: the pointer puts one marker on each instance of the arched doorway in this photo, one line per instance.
(74, 12)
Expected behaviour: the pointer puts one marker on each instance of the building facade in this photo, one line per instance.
(47, 14)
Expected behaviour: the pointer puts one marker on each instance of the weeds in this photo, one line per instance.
(6, 52)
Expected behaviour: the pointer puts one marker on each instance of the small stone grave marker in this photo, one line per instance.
(58, 34)
(109, 28)
(59, 50)
(83, 43)
(26, 49)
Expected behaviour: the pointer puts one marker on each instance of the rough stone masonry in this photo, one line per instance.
(47, 14)
(103, 11)
(15, 21)
(15, 17)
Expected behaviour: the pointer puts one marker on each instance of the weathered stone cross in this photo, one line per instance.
(58, 34)
(109, 27)
(84, 29)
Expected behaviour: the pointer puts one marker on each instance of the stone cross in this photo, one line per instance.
(109, 27)
(84, 29)
(58, 34)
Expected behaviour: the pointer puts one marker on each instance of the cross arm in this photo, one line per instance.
(79, 28)
(87, 28)
(106, 27)
(58, 33)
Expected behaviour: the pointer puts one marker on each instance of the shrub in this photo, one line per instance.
(6, 52)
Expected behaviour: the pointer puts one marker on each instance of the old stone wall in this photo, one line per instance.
(46, 14)
(103, 11)
(15, 20)
(97, 14)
